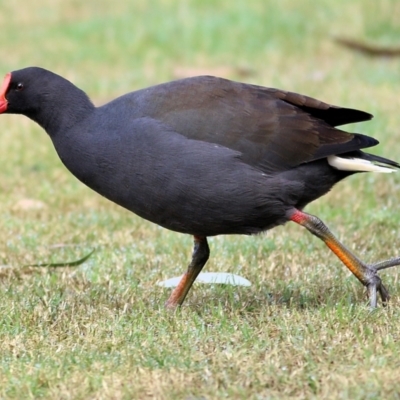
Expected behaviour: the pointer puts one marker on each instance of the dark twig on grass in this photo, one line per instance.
(368, 48)
(63, 264)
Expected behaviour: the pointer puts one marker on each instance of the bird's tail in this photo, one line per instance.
(359, 161)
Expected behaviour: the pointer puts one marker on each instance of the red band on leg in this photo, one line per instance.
(299, 217)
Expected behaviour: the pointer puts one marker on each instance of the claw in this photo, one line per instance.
(385, 297)
(373, 301)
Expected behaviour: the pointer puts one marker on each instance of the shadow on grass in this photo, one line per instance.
(294, 295)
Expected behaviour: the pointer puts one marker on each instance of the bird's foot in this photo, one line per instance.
(374, 285)
(373, 282)
(367, 274)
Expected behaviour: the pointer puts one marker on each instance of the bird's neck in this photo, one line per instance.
(60, 114)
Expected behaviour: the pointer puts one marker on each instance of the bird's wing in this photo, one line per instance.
(272, 129)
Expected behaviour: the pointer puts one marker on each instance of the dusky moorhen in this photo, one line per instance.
(205, 156)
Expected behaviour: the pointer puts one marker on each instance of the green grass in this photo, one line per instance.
(99, 331)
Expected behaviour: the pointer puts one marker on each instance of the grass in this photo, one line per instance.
(99, 331)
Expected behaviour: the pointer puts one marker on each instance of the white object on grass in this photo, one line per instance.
(223, 278)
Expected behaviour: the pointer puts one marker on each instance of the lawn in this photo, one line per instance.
(303, 329)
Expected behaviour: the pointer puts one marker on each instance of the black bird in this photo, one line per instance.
(205, 156)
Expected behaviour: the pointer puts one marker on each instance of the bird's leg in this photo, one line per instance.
(365, 273)
(200, 256)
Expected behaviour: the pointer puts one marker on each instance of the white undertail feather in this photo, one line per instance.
(356, 164)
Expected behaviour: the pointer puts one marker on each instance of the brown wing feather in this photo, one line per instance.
(272, 129)
(332, 115)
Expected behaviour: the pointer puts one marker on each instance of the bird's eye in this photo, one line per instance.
(20, 86)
